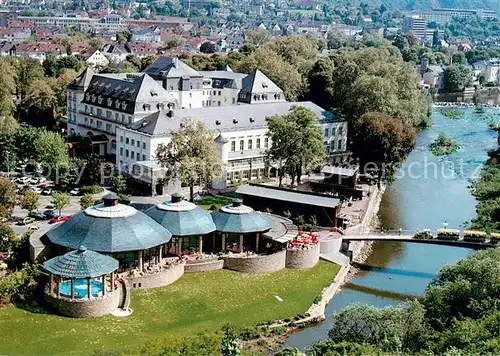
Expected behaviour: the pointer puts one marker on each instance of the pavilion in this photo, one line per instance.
(235, 221)
(187, 222)
(128, 235)
(78, 277)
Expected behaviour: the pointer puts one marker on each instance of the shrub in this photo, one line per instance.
(90, 189)
(124, 199)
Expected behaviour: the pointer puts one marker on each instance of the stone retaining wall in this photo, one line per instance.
(154, 280)
(302, 258)
(84, 308)
(256, 263)
(211, 265)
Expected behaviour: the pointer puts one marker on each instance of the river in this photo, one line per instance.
(428, 192)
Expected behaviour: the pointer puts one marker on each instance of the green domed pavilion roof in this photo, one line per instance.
(240, 219)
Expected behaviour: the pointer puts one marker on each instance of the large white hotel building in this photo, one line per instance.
(126, 116)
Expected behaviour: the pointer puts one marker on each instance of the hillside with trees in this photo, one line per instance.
(428, 4)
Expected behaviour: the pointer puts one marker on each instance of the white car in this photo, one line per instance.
(37, 190)
(47, 191)
(75, 191)
(42, 180)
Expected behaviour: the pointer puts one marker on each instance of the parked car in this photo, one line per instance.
(75, 191)
(34, 181)
(47, 191)
(27, 221)
(33, 228)
(37, 190)
(50, 214)
(42, 180)
(37, 215)
(60, 219)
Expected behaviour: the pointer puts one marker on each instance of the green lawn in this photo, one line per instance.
(196, 303)
(207, 201)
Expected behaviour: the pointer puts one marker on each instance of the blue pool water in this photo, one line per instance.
(81, 290)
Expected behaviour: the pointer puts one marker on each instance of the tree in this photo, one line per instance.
(468, 289)
(27, 71)
(119, 184)
(60, 200)
(256, 37)
(30, 201)
(7, 198)
(436, 43)
(336, 39)
(51, 150)
(297, 142)
(320, 83)
(41, 101)
(383, 142)
(8, 238)
(86, 201)
(457, 78)
(207, 47)
(8, 87)
(191, 155)
(96, 43)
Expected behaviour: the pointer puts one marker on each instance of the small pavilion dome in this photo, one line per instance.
(182, 218)
(81, 263)
(110, 227)
(240, 219)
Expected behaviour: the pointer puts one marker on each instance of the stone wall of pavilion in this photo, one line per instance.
(255, 263)
(158, 279)
(84, 308)
(200, 266)
(302, 258)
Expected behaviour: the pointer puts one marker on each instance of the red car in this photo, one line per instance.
(59, 219)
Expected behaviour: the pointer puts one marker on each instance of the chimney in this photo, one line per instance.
(110, 199)
(175, 61)
(177, 197)
(237, 202)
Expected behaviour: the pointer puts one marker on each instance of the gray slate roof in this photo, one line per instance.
(241, 223)
(160, 124)
(81, 263)
(288, 195)
(167, 67)
(133, 233)
(258, 83)
(137, 88)
(193, 222)
(83, 80)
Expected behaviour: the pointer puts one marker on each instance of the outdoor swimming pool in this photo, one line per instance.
(81, 288)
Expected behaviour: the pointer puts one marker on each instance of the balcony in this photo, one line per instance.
(246, 154)
(94, 127)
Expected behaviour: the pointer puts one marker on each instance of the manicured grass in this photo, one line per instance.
(207, 201)
(196, 303)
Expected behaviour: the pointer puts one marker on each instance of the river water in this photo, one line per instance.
(428, 192)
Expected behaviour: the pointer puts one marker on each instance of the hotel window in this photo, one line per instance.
(116, 116)
(108, 127)
(258, 144)
(121, 138)
(132, 142)
(126, 153)
(266, 142)
(218, 103)
(203, 92)
(233, 146)
(234, 100)
(86, 121)
(219, 93)
(86, 108)
(123, 118)
(99, 112)
(341, 130)
(242, 145)
(340, 145)
(203, 103)
(132, 153)
(144, 145)
(138, 144)
(333, 131)
(127, 140)
(130, 119)
(249, 144)
(143, 157)
(326, 132)
(121, 151)
(91, 109)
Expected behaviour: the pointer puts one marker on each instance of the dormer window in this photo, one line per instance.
(87, 96)
(255, 97)
(110, 102)
(124, 105)
(146, 107)
(153, 93)
(94, 98)
(217, 122)
(117, 104)
(160, 106)
(264, 84)
(99, 99)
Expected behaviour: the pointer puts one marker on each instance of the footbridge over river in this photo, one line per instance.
(405, 236)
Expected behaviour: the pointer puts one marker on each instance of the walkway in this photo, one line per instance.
(460, 242)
